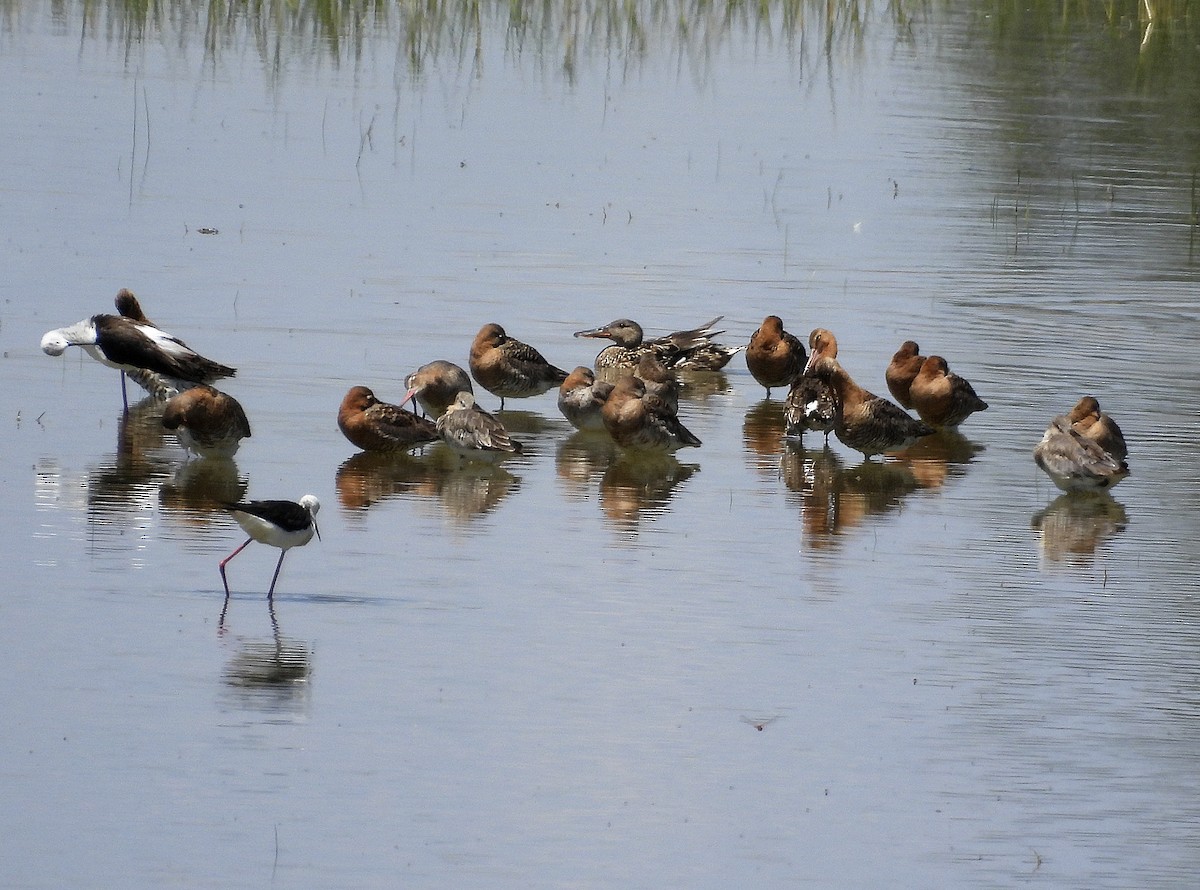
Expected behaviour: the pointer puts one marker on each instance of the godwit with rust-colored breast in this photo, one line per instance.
(508, 368)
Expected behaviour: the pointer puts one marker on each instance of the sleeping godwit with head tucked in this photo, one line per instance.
(508, 368)
(866, 422)
(373, 425)
(1074, 462)
(473, 433)
(775, 357)
(435, 386)
(902, 370)
(282, 524)
(640, 422)
(208, 422)
(943, 399)
(1088, 419)
(580, 398)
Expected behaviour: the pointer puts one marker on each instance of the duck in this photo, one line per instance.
(581, 397)
(373, 425)
(673, 350)
(474, 434)
(637, 422)
(1088, 419)
(812, 403)
(134, 346)
(943, 399)
(208, 422)
(508, 368)
(866, 422)
(775, 357)
(435, 385)
(902, 370)
(1075, 462)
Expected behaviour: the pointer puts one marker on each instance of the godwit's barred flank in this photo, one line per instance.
(812, 403)
(1074, 462)
(208, 422)
(580, 398)
(866, 422)
(373, 425)
(691, 350)
(902, 370)
(473, 433)
(640, 423)
(942, 399)
(509, 368)
(282, 524)
(131, 345)
(775, 357)
(436, 385)
(1087, 418)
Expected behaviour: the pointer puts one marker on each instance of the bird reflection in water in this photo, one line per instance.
(1074, 524)
(127, 482)
(762, 433)
(640, 484)
(582, 459)
(465, 490)
(935, 459)
(267, 674)
(195, 496)
(700, 386)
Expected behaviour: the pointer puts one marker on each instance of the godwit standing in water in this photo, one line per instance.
(811, 403)
(775, 357)
(509, 368)
(635, 421)
(436, 385)
(373, 425)
(902, 370)
(866, 422)
(942, 399)
(580, 398)
(282, 524)
(208, 422)
(473, 433)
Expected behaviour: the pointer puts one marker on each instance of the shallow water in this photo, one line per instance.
(754, 662)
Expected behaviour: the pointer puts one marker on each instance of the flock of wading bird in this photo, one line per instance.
(632, 395)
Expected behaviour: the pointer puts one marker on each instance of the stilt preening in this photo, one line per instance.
(282, 524)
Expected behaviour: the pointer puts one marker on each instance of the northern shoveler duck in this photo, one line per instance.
(902, 370)
(629, 345)
(373, 425)
(812, 403)
(1087, 418)
(635, 421)
(580, 398)
(282, 524)
(473, 433)
(866, 422)
(208, 422)
(942, 399)
(775, 357)
(661, 381)
(1074, 462)
(435, 386)
(133, 346)
(509, 368)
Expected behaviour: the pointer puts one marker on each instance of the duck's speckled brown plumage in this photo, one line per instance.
(436, 385)
(812, 403)
(640, 422)
(581, 397)
(1074, 462)
(902, 370)
(373, 425)
(943, 399)
(774, 356)
(208, 422)
(866, 422)
(509, 368)
(1088, 419)
(473, 433)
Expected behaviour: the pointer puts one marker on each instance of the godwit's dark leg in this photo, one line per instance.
(226, 559)
(275, 577)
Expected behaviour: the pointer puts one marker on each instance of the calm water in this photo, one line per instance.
(755, 664)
